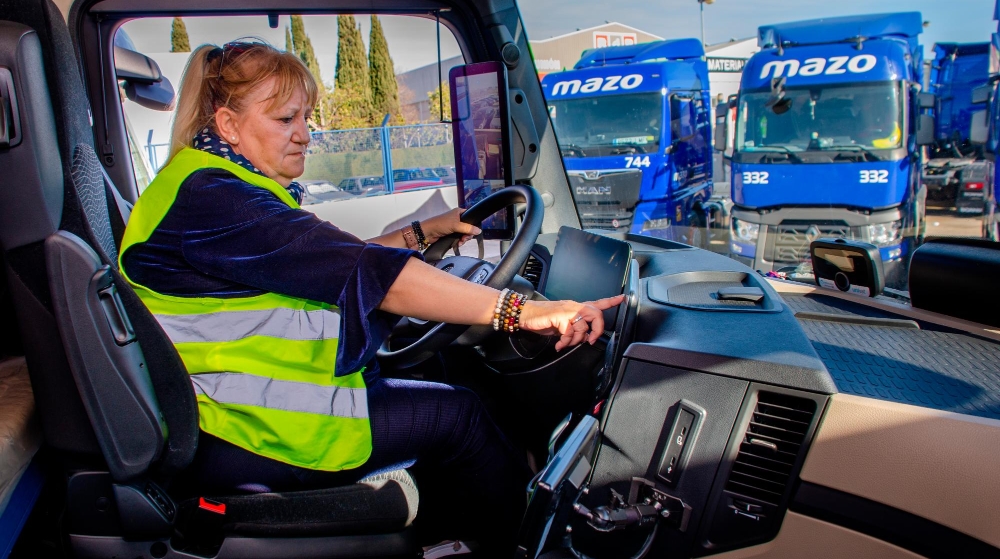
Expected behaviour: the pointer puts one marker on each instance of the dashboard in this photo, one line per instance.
(757, 414)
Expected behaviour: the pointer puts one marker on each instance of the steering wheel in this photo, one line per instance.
(435, 336)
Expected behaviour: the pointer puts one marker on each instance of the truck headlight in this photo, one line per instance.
(744, 230)
(885, 234)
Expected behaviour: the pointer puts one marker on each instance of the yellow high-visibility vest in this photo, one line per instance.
(262, 366)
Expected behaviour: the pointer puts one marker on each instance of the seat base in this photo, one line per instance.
(398, 545)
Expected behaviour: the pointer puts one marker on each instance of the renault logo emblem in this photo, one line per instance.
(480, 276)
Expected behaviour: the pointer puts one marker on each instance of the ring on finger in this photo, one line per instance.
(577, 319)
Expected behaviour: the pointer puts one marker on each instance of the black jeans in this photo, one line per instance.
(472, 481)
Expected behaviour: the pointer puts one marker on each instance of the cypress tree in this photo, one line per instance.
(382, 75)
(298, 34)
(288, 41)
(302, 46)
(179, 41)
(352, 95)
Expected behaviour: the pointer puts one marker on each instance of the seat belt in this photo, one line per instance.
(119, 212)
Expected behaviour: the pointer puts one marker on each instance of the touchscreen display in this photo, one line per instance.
(586, 267)
(481, 139)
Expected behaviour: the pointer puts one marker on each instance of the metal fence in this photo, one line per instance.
(343, 164)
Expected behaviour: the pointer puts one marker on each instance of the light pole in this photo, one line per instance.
(701, 6)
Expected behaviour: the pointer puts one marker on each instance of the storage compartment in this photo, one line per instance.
(712, 291)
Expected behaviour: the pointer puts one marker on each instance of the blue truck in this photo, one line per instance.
(991, 138)
(634, 129)
(830, 123)
(956, 172)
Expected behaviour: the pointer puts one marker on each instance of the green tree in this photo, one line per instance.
(438, 97)
(382, 75)
(179, 41)
(288, 41)
(352, 95)
(302, 47)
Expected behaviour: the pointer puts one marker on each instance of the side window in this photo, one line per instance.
(682, 120)
(377, 139)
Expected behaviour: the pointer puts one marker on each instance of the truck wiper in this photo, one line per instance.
(869, 154)
(792, 156)
(572, 148)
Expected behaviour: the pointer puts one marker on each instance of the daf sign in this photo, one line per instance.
(815, 66)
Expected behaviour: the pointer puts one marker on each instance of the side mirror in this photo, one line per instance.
(722, 126)
(981, 94)
(979, 127)
(925, 100)
(925, 130)
(144, 83)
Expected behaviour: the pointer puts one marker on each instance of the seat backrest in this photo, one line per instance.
(106, 378)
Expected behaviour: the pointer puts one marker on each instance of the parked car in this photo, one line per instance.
(416, 177)
(318, 191)
(363, 185)
(446, 174)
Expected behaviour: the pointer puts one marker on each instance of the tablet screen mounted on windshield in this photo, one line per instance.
(481, 124)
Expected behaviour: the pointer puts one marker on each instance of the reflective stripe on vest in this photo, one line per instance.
(251, 390)
(235, 325)
(262, 367)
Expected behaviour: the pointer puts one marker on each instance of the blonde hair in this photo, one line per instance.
(217, 77)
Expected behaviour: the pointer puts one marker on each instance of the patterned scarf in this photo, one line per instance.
(212, 143)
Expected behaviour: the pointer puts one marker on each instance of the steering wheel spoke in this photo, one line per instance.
(437, 336)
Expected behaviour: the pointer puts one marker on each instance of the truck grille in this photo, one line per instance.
(606, 199)
(791, 240)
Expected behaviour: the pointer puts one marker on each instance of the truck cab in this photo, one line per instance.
(956, 169)
(827, 141)
(633, 125)
(722, 413)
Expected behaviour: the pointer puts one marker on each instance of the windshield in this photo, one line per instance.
(612, 125)
(852, 117)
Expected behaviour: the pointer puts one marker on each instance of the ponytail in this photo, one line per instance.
(191, 116)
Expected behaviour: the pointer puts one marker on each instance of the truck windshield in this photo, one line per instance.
(859, 118)
(612, 125)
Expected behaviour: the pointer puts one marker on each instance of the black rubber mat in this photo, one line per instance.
(941, 370)
(832, 305)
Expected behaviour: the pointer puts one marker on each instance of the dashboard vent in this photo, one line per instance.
(770, 447)
(533, 270)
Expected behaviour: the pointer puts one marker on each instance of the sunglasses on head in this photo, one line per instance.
(232, 49)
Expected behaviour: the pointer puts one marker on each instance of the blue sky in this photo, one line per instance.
(950, 20)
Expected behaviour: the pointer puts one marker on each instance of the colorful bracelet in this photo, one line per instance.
(419, 232)
(507, 314)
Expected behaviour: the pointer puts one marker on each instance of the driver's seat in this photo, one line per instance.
(115, 402)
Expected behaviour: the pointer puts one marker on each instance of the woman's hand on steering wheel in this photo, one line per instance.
(574, 322)
(446, 224)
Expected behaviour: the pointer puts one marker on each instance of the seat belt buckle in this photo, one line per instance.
(211, 506)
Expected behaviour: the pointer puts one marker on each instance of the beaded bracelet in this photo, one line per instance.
(419, 232)
(507, 314)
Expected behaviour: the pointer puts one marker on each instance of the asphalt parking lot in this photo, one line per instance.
(946, 223)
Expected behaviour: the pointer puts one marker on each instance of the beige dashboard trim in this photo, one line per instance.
(804, 537)
(901, 309)
(939, 465)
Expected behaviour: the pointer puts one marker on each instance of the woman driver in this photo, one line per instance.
(273, 310)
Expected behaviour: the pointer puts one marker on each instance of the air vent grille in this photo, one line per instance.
(770, 447)
(533, 270)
